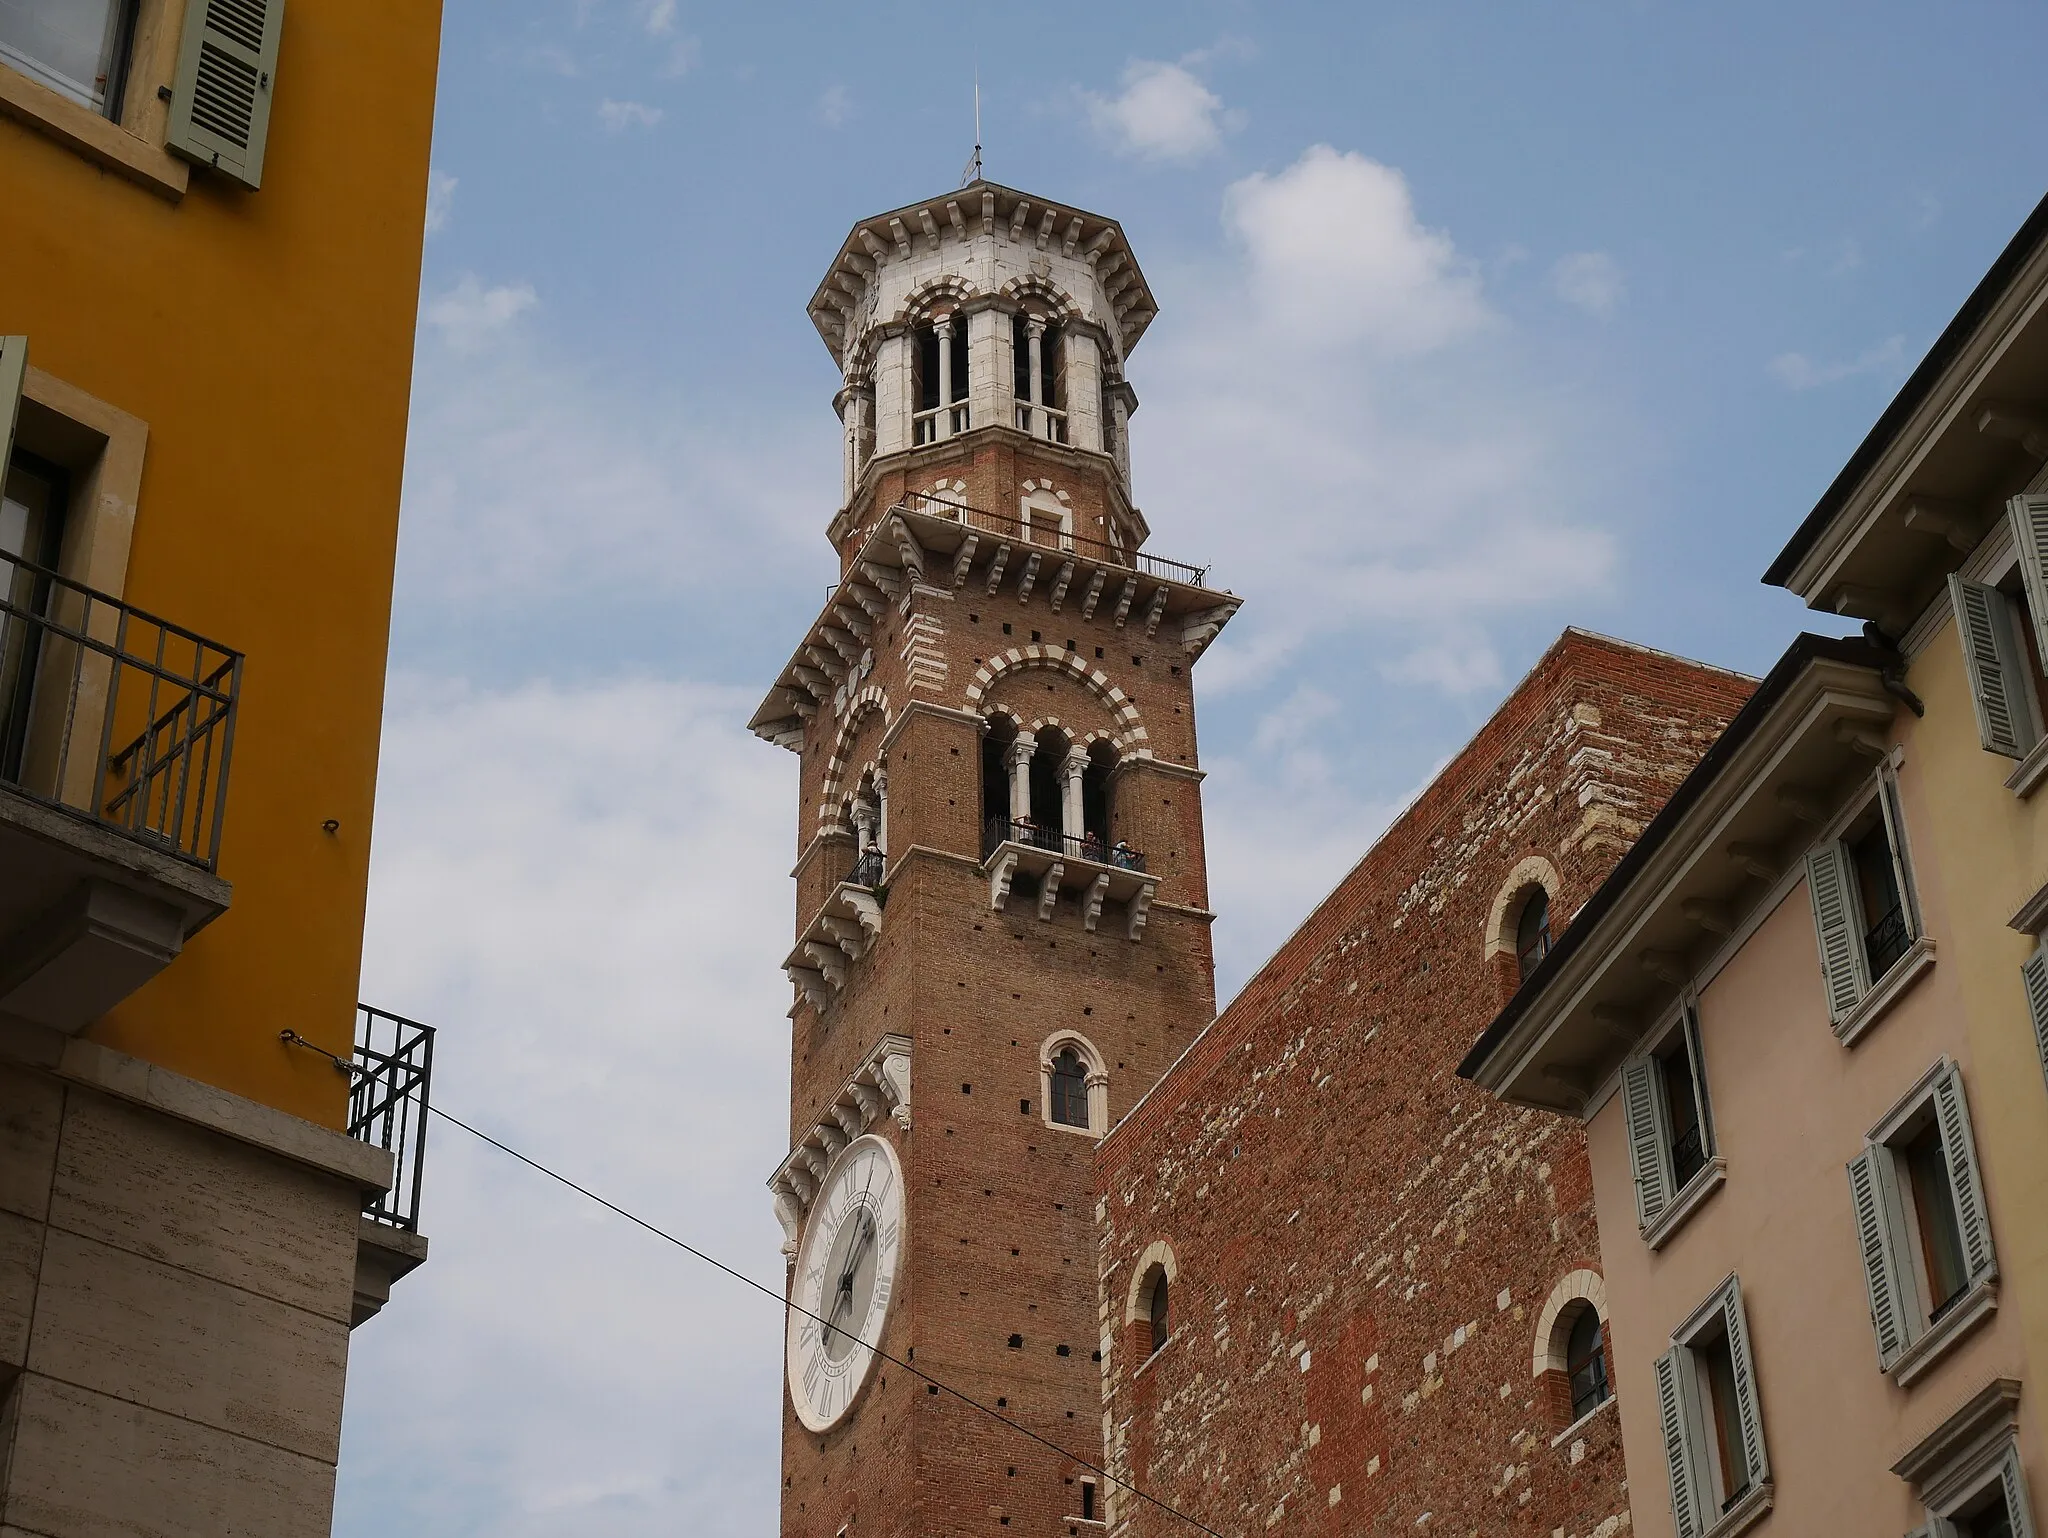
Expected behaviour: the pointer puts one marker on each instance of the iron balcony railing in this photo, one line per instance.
(1887, 940)
(867, 870)
(387, 1106)
(1087, 846)
(1006, 527)
(111, 714)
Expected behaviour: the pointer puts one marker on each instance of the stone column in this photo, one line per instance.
(1020, 775)
(863, 824)
(1036, 328)
(990, 371)
(893, 404)
(882, 810)
(1071, 814)
(943, 426)
(1084, 390)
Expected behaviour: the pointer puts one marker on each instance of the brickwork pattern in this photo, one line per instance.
(1364, 1243)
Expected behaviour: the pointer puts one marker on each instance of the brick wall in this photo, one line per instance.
(1363, 1242)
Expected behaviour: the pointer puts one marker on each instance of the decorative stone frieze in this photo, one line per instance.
(880, 1084)
(845, 926)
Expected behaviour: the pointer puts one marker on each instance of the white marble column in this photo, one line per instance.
(1071, 814)
(1020, 775)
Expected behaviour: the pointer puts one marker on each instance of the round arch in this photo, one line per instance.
(1530, 872)
(858, 709)
(1573, 1294)
(1131, 734)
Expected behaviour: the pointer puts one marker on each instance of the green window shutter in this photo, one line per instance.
(2005, 719)
(220, 101)
(1646, 1159)
(1672, 1368)
(1870, 1179)
(1953, 1114)
(1702, 1103)
(2035, 973)
(13, 365)
(1834, 921)
(2019, 1508)
(2030, 533)
(1748, 1406)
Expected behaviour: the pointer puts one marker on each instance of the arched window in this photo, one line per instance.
(939, 360)
(1039, 379)
(1532, 931)
(1069, 1089)
(1158, 1311)
(1586, 1363)
(1148, 1317)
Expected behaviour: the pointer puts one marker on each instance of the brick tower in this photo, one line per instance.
(1002, 931)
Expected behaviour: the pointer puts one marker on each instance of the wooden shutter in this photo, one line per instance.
(1834, 921)
(1870, 1179)
(2018, 1506)
(1747, 1403)
(1672, 1368)
(2005, 719)
(2035, 973)
(1703, 1105)
(1895, 836)
(13, 365)
(2030, 534)
(220, 99)
(1952, 1112)
(1643, 1112)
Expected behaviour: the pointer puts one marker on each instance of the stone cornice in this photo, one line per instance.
(880, 1084)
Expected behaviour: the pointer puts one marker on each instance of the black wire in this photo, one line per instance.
(741, 1276)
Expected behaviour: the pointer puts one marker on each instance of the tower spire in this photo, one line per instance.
(972, 173)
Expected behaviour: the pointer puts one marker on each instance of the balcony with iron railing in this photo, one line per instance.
(390, 1085)
(116, 731)
(1022, 859)
(1049, 535)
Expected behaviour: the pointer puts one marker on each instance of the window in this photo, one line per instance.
(1038, 380)
(1532, 931)
(1586, 1364)
(2003, 628)
(2034, 977)
(1158, 1313)
(78, 48)
(1967, 1471)
(1861, 888)
(1088, 1501)
(1670, 1126)
(1920, 1219)
(32, 530)
(1712, 1419)
(940, 380)
(1069, 1089)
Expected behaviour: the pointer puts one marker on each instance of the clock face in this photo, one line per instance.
(845, 1275)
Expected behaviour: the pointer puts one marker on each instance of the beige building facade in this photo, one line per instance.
(1806, 1020)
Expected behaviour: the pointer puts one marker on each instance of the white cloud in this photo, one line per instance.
(1162, 113)
(468, 314)
(1796, 371)
(661, 18)
(835, 106)
(618, 116)
(1589, 279)
(440, 200)
(584, 889)
(1337, 256)
(1415, 480)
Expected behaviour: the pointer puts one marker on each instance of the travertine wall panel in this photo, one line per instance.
(21, 1252)
(116, 1323)
(31, 1108)
(178, 1194)
(87, 1466)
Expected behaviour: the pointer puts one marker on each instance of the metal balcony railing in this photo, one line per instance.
(867, 870)
(1087, 846)
(113, 715)
(1887, 940)
(1006, 527)
(387, 1106)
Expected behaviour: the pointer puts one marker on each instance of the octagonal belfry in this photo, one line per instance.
(1002, 926)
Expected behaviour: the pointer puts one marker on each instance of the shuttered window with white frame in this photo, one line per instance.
(1995, 657)
(1916, 1193)
(1866, 916)
(1711, 1416)
(2034, 976)
(1999, 1502)
(1668, 1117)
(221, 94)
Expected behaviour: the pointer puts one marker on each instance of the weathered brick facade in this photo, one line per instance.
(1361, 1245)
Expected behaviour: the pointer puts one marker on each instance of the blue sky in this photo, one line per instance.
(1477, 321)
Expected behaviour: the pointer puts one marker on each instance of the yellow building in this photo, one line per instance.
(214, 213)
(1806, 1020)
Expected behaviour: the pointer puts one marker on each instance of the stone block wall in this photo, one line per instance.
(1362, 1244)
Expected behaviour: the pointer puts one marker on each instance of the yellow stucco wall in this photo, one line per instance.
(266, 340)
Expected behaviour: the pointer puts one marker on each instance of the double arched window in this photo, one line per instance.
(1069, 1099)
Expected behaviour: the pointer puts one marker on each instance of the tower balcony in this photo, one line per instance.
(846, 924)
(935, 541)
(116, 729)
(1050, 863)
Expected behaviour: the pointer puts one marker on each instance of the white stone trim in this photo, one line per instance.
(1158, 1253)
(1098, 1082)
(1532, 870)
(1578, 1286)
(881, 1083)
(1131, 726)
